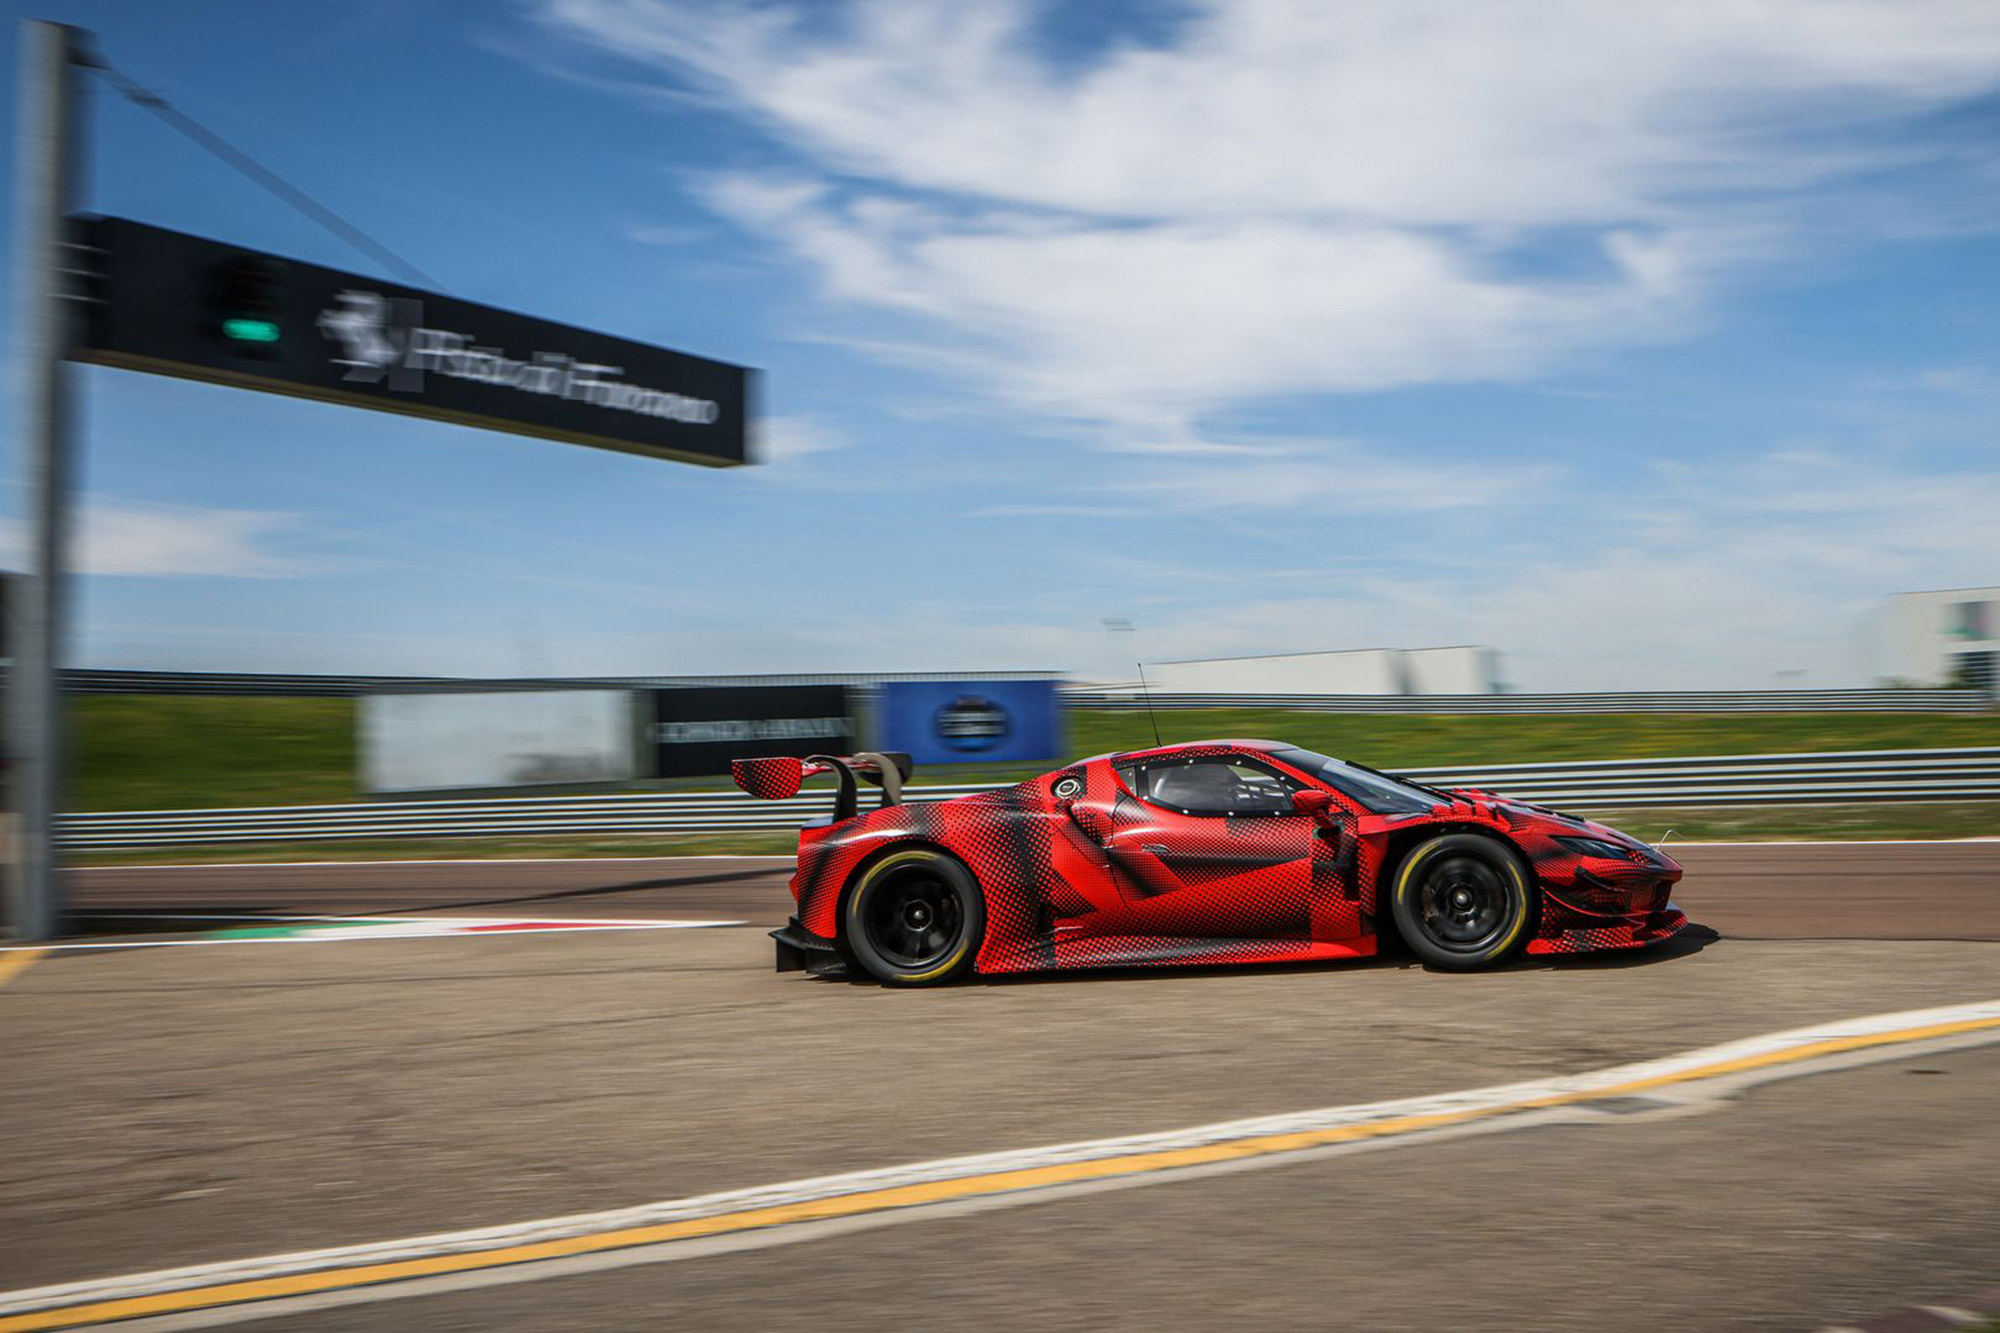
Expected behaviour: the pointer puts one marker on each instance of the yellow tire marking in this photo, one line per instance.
(14, 964)
(1409, 867)
(939, 1191)
(854, 913)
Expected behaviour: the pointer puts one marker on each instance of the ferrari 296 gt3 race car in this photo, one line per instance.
(1212, 852)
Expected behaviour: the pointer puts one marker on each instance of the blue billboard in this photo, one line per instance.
(970, 721)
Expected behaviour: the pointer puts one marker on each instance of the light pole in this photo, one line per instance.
(1119, 649)
(47, 174)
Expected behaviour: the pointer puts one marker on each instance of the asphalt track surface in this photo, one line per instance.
(178, 1106)
(1887, 891)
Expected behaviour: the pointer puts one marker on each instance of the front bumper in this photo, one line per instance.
(1579, 932)
(799, 950)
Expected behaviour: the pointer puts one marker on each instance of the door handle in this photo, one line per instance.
(1156, 848)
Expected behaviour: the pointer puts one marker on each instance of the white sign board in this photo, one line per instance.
(528, 738)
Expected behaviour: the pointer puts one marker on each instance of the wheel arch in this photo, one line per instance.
(1402, 842)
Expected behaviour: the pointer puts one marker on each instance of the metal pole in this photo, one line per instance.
(46, 181)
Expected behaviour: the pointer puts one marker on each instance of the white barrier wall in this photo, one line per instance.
(1922, 637)
(1462, 670)
(445, 742)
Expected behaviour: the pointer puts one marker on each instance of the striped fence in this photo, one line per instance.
(1853, 775)
(1658, 701)
(1127, 696)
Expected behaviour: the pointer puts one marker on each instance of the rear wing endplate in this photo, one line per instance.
(779, 779)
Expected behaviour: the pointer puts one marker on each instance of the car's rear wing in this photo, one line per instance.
(780, 779)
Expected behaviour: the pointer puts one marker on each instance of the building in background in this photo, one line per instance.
(1463, 670)
(1949, 637)
(439, 741)
(1458, 670)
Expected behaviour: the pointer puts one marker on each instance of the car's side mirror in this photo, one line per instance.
(1316, 805)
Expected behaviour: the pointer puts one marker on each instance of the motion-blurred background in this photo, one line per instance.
(1588, 402)
(1650, 355)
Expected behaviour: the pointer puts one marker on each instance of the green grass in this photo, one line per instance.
(138, 752)
(1809, 823)
(168, 752)
(165, 752)
(1424, 740)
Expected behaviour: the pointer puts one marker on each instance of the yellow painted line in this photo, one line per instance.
(15, 963)
(937, 1191)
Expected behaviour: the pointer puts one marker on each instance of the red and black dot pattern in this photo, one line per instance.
(769, 779)
(1078, 871)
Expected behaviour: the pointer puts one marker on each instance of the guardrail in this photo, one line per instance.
(1653, 701)
(94, 681)
(1850, 775)
(90, 680)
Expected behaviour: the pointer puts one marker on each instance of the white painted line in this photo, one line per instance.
(1828, 842)
(190, 1296)
(441, 861)
(370, 928)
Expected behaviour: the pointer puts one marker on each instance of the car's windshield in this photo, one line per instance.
(1377, 792)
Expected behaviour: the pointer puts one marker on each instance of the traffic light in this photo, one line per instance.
(87, 274)
(245, 304)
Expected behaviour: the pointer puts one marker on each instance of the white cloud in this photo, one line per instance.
(1969, 381)
(1335, 477)
(783, 439)
(1281, 199)
(128, 538)
(1291, 196)
(1428, 112)
(1714, 578)
(1154, 325)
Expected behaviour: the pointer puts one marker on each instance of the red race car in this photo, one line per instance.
(1210, 852)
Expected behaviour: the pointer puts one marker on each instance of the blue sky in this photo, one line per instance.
(1651, 349)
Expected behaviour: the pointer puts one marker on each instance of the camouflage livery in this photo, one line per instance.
(1077, 871)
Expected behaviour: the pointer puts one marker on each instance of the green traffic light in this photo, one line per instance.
(250, 330)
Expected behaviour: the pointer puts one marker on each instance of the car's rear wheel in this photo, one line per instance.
(1463, 901)
(915, 918)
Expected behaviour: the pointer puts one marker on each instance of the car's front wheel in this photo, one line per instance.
(1463, 901)
(915, 918)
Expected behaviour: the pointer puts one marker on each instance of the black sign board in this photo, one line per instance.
(698, 729)
(181, 305)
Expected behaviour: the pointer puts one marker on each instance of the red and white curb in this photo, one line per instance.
(333, 929)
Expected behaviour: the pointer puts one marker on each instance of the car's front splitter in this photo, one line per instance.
(1581, 933)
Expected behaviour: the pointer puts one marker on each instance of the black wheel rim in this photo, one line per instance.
(914, 920)
(1464, 904)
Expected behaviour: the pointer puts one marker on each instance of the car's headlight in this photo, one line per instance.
(1597, 847)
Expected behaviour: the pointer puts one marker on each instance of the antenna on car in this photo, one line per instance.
(1147, 695)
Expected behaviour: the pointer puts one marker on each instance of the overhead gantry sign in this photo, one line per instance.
(174, 304)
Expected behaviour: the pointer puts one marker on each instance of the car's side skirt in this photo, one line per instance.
(1165, 951)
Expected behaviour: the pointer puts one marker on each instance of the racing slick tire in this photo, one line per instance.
(915, 918)
(1463, 901)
